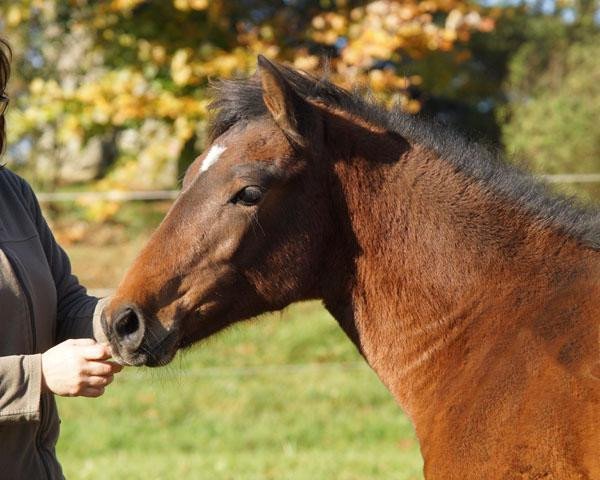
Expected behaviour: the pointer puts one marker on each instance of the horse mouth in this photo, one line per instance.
(149, 354)
(162, 352)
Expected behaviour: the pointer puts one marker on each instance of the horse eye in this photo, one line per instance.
(248, 196)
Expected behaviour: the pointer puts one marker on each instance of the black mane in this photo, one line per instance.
(240, 101)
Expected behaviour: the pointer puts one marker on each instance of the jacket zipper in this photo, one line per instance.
(16, 265)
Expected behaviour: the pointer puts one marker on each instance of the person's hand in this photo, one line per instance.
(78, 368)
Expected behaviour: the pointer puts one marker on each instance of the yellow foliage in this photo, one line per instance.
(128, 73)
(190, 4)
(100, 211)
(124, 5)
(14, 16)
(386, 30)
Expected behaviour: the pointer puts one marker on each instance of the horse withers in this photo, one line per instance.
(472, 292)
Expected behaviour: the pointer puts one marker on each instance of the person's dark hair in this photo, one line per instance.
(5, 57)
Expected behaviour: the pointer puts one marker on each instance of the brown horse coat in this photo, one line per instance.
(472, 293)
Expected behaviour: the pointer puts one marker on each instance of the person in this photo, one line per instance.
(46, 328)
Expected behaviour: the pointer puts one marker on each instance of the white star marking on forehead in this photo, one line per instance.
(212, 156)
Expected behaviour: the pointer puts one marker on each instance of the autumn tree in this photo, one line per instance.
(126, 80)
(553, 83)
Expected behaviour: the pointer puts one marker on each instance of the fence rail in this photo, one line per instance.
(158, 195)
(573, 178)
(111, 196)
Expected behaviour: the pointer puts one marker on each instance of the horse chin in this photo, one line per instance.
(160, 360)
(134, 359)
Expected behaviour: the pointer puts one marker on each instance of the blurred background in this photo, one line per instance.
(110, 97)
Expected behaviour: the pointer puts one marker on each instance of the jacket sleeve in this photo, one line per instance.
(20, 388)
(78, 314)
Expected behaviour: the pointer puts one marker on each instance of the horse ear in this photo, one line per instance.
(289, 110)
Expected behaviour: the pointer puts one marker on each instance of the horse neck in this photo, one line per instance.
(434, 265)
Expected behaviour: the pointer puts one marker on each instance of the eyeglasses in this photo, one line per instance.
(3, 103)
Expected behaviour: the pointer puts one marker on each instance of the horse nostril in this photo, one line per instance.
(128, 327)
(127, 324)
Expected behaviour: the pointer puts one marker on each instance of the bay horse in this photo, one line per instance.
(472, 291)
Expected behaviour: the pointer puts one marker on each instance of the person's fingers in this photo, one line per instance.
(96, 381)
(116, 367)
(92, 392)
(80, 341)
(100, 351)
(101, 369)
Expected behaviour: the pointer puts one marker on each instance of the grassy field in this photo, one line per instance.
(282, 397)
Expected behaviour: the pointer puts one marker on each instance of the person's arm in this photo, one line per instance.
(78, 314)
(20, 388)
(77, 367)
(73, 368)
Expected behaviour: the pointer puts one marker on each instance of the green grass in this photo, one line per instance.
(283, 397)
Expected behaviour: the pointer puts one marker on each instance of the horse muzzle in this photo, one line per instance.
(133, 340)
